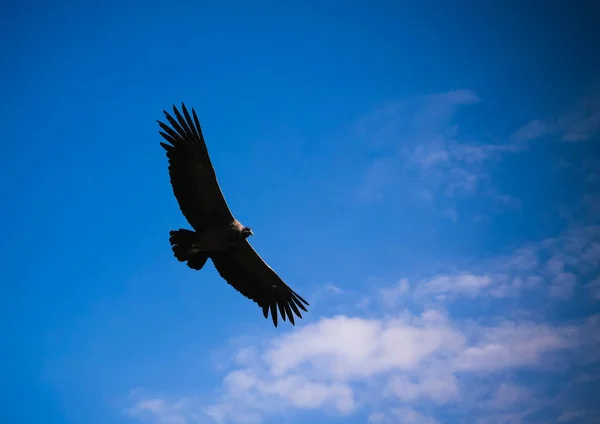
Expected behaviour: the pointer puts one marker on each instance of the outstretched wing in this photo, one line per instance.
(193, 177)
(245, 270)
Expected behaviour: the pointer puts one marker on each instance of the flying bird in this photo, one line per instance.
(217, 234)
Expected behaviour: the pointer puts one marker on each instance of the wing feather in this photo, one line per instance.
(245, 270)
(192, 175)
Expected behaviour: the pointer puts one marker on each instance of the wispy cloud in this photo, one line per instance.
(162, 411)
(532, 130)
(582, 123)
(400, 415)
(417, 119)
(594, 288)
(421, 153)
(509, 395)
(513, 344)
(572, 415)
(424, 154)
(463, 283)
(548, 269)
(577, 124)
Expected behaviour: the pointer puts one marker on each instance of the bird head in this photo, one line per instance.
(247, 232)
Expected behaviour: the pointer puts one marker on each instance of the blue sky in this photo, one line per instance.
(426, 176)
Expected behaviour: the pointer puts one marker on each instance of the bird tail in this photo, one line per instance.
(182, 244)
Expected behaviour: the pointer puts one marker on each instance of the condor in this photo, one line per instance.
(217, 234)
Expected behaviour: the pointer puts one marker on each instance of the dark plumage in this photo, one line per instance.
(218, 235)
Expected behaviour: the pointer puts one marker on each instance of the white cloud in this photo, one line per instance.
(323, 365)
(506, 418)
(423, 157)
(478, 153)
(346, 348)
(400, 415)
(461, 182)
(580, 123)
(381, 173)
(417, 118)
(430, 155)
(160, 411)
(292, 390)
(594, 288)
(390, 296)
(563, 284)
(531, 131)
(513, 344)
(509, 395)
(571, 415)
(591, 168)
(423, 154)
(551, 267)
(554, 266)
(438, 385)
(464, 283)
(418, 357)
(347, 364)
